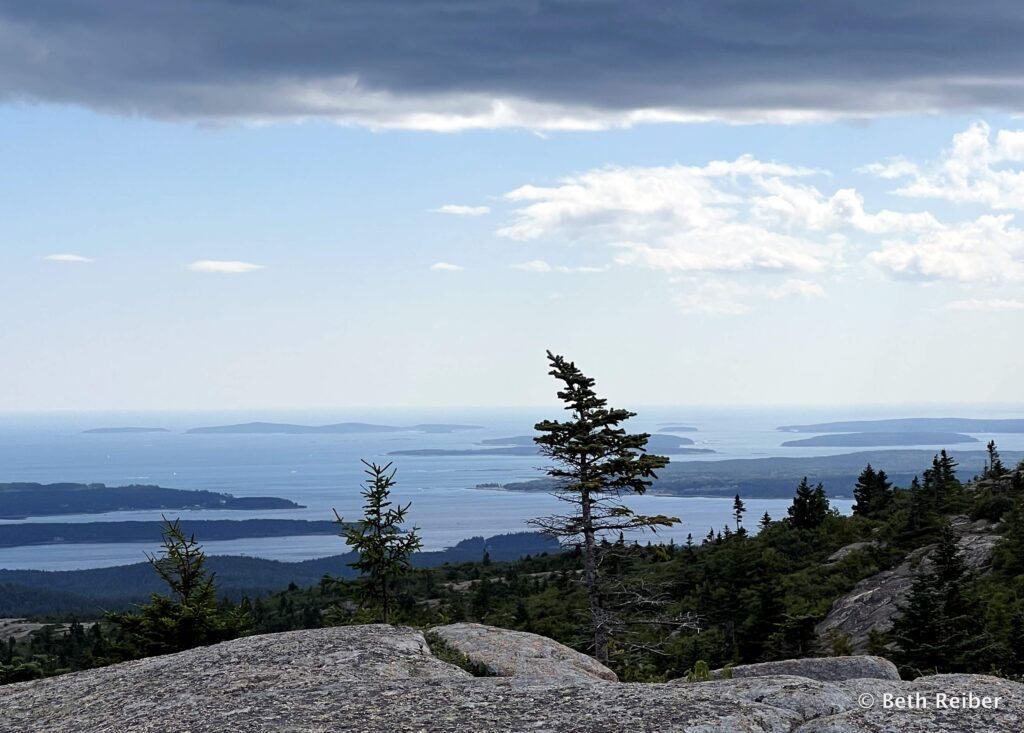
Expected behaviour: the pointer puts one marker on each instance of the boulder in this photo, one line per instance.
(505, 653)
(823, 669)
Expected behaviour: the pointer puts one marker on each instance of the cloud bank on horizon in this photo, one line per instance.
(448, 65)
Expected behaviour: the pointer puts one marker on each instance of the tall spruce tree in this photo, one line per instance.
(597, 463)
(189, 616)
(810, 506)
(994, 467)
(872, 492)
(384, 549)
(738, 510)
(938, 627)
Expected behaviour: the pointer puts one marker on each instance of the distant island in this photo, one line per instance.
(777, 477)
(677, 429)
(872, 440)
(514, 440)
(49, 533)
(911, 424)
(104, 431)
(523, 445)
(20, 500)
(512, 450)
(341, 428)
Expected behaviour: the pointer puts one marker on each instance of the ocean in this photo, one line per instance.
(323, 472)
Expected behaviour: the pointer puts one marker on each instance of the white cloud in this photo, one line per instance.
(674, 218)
(543, 266)
(460, 210)
(796, 289)
(67, 258)
(976, 169)
(987, 304)
(805, 207)
(533, 266)
(987, 250)
(223, 266)
(890, 169)
(446, 267)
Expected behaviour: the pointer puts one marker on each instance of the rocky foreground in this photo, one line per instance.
(383, 678)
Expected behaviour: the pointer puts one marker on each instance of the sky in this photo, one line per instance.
(269, 204)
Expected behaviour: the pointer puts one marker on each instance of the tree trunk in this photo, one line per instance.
(597, 621)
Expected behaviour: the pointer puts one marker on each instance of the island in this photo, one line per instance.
(873, 440)
(912, 424)
(341, 428)
(514, 440)
(114, 431)
(512, 450)
(677, 429)
(524, 445)
(778, 477)
(21, 500)
(73, 533)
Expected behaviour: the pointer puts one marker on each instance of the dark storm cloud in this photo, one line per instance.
(274, 58)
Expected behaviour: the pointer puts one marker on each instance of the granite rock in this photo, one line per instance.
(824, 669)
(505, 653)
(382, 678)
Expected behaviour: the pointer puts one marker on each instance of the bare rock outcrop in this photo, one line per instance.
(381, 678)
(874, 602)
(505, 653)
(823, 669)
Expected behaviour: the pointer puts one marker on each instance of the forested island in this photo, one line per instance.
(49, 533)
(342, 428)
(912, 424)
(20, 500)
(879, 439)
(775, 477)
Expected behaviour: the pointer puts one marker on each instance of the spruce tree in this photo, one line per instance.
(994, 467)
(189, 616)
(810, 506)
(384, 549)
(872, 492)
(766, 520)
(938, 627)
(738, 510)
(597, 464)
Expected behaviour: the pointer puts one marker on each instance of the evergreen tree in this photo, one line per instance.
(766, 520)
(384, 549)
(872, 492)
(738, 510)
(189, 616)
(810, 506)
(938, 629)
(598, 463)
(916, 508)
(994, 467)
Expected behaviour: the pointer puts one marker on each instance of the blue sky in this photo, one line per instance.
(159, 254)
